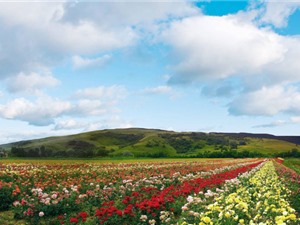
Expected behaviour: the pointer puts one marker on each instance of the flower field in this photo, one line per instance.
(227, 191)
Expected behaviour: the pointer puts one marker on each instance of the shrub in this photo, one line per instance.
(6, 198)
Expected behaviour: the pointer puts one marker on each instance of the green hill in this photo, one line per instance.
(139, 142)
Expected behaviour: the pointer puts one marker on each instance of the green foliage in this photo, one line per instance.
(101, 151)
(229, 154)
(6, 198)
(292, 153)
(116, 138)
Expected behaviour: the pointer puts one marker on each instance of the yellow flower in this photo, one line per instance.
(206, 219)
(242, 221)
(280, 222)
(227, 215)
(292, 216)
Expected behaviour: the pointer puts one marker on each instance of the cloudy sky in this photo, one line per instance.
(69, 67)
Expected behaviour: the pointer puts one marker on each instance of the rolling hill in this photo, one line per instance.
(139, 142)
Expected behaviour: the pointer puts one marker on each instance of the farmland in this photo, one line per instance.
(205, 191)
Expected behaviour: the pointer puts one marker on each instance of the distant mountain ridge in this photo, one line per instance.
(292, 139)
(142, 142)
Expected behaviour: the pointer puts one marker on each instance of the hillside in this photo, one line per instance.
(139, 142)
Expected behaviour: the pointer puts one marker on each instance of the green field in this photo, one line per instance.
(267, 146)
(293, 163)
(7, 218)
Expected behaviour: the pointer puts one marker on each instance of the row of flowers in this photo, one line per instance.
(292, 180)
(49, 176)
(156, 199)
(54, 177)
(258, 197)
(154, 206)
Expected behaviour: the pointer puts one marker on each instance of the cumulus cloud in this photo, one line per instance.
(120, 14)
(295, 119)
(211, 47)
(43, 110)
(87, 107)
(80, 62)
(109, 123)
(163, 89)
(32, 82)
(106, 123)
(158, 90)
(278, 12)
(69, 124)
(276, 123)
(222, 88)
(46, 25)
(114, 91)
(230, 56)
(267, 101)
(40, 112)
(46, 33)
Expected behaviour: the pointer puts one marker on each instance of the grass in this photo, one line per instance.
(267, 146)
(7, 218)
(293, 163)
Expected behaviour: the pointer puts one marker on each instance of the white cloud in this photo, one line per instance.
(80, 62)
(32, 82)
(158, 90)
(112, 92)
(295, 119)
(87, 107)
(164, 89)
(46, 33)
(69, 124)
(222, 88)
(44, 39)
(43, 110)
(44, 22)
(109, 123)
(277, 123)
(244, 62)
(211, 47)
(40, 113)
(267, 101)
(278, 12)
(98, 101)
(129, 13)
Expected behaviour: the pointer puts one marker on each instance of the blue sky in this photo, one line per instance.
(213, 66)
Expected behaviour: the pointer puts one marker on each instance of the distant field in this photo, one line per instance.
(267, 146)
(294, 164)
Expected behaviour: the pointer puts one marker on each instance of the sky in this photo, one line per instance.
(210, 66)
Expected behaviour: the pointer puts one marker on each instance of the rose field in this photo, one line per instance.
(203, 191)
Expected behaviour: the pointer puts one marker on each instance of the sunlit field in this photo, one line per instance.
(171, 191)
